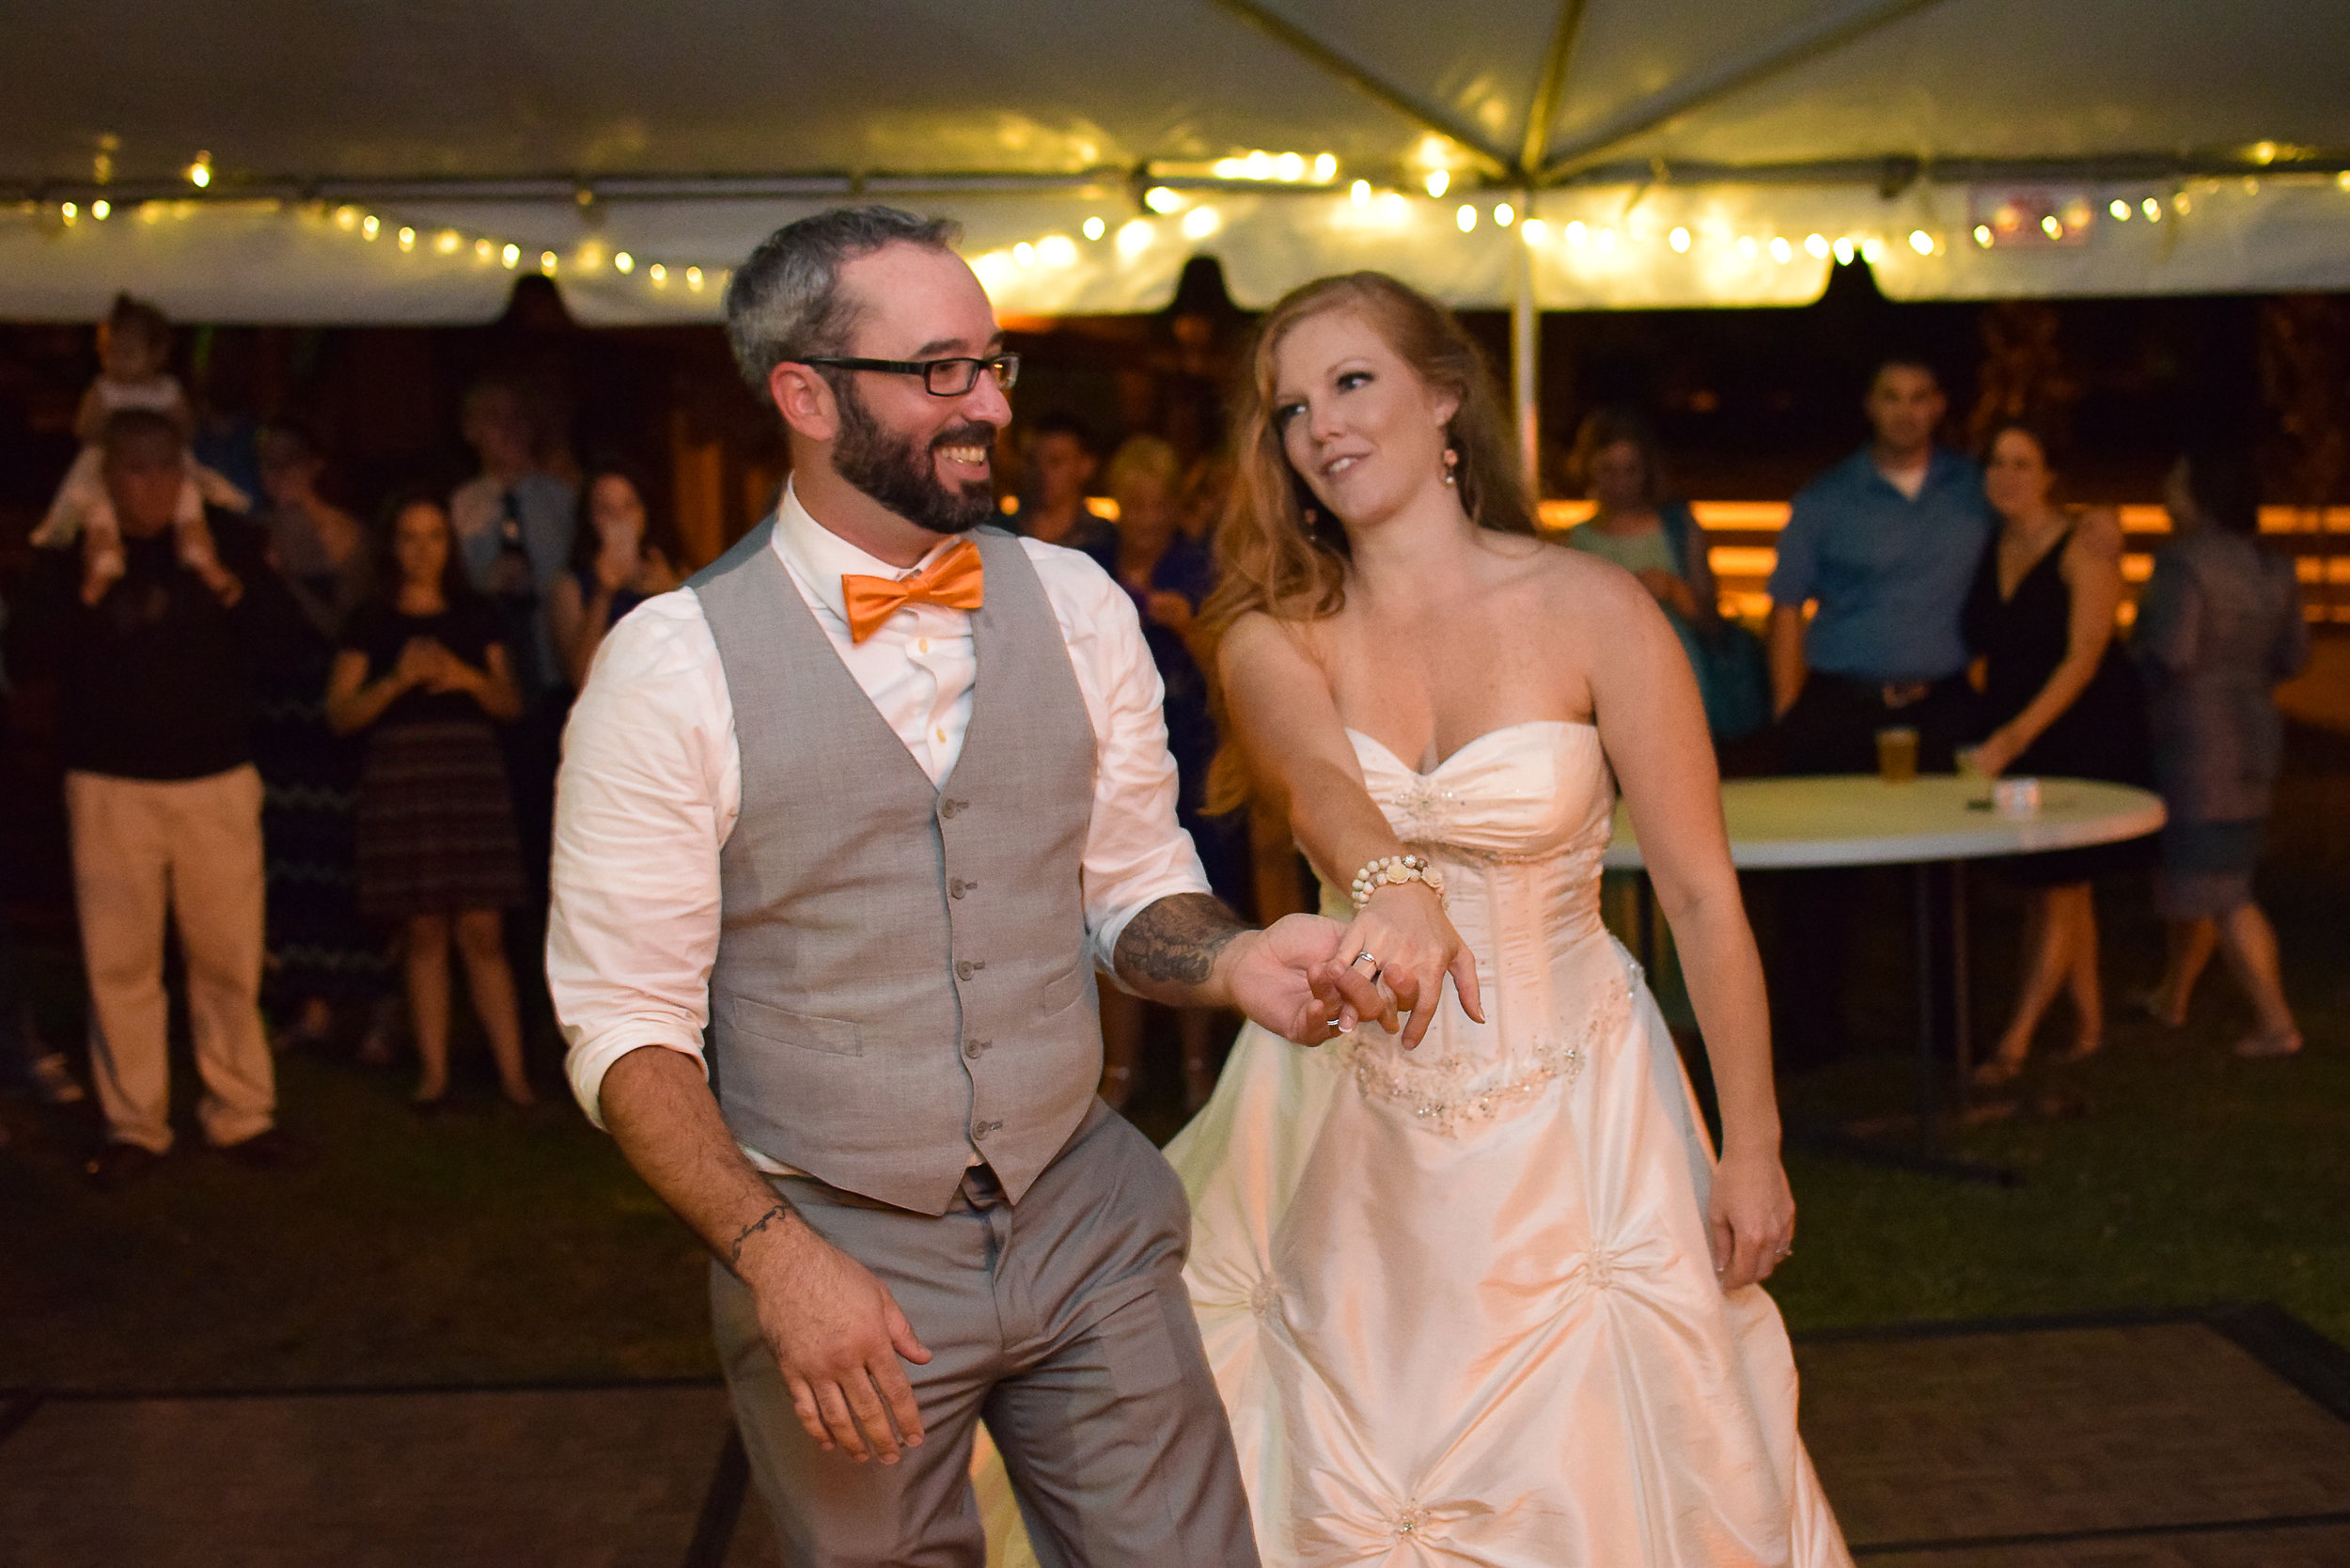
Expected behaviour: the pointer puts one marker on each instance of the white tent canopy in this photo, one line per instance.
(397, 160)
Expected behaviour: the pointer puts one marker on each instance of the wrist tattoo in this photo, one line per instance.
(776, 1216)
(1177, 939)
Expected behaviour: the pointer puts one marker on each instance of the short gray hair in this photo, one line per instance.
(786, 303)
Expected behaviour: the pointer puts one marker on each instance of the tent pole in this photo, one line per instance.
(1526, 337)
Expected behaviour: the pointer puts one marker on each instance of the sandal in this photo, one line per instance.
(2275, 1042)
(1999, 1070)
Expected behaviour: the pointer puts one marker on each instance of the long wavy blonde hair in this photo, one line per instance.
(1279, 549)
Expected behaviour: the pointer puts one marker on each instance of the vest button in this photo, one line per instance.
(956, 886)
(970, 966)
(973, 1047)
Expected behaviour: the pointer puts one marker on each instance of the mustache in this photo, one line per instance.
(973, 434)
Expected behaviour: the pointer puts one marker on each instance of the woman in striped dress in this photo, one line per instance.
(423, 671)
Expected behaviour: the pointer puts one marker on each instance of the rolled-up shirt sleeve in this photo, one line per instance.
(1136, 852)
(648, 790)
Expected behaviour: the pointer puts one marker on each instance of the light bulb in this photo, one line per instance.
(1160, 199)
(1679, 240)
(511, 255)
(1438, 183)
(1816, 246)
(623, 262)
(1095, 228)
(1465, 217)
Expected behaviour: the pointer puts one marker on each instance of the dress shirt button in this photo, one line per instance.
(973, 1047)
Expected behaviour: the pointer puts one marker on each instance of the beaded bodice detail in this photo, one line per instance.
(1518, 821)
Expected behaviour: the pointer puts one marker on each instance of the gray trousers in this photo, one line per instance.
(1064, 1324)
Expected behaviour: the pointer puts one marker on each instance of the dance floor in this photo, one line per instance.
(2219, 1439)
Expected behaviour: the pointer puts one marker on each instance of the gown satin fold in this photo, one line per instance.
(1459, 1300)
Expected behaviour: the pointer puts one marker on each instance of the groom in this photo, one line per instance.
(870, 798)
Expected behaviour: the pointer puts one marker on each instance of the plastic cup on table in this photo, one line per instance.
(1897, 754)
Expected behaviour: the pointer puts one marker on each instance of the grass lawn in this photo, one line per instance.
(490, 1247)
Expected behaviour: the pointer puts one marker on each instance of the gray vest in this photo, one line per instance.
(904, 975)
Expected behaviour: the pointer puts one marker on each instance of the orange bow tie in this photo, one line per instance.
(952, 580)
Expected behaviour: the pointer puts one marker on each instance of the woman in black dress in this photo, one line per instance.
(2064, 702)
(423, 671)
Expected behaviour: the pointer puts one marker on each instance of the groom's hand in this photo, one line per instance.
(1291, 978)
(837, 1335)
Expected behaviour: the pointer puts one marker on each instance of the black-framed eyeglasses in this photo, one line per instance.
(941, 378)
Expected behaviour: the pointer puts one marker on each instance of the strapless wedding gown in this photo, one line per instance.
(1459, 1300)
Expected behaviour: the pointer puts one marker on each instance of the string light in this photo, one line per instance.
(694, 278)
(1160, 199)
(1535, 230)
(547, 259)
(1921, 242)
(1679, 240)
(1095, 228)
(1439, 182)
(483, 250)
(659, 274)
(1577, 233)
(2152, 209)
(102, 208)
(623, 262)
(370, 225)
(1359, 193)
(2120, 210)
(1135, 237)
(1025, 254)
(407, 238)
(511, 255)
(1782, 252)
(200, 172)
(69, 212)
(1201, 222)
(1056, 250)
(1816, 246)
(1465, 217)
(447, 241)
(1505, 214)
(1982, 235)
(1844, 250)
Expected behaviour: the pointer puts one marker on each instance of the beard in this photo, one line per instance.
(900, 474)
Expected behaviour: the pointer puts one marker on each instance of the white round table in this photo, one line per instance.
(1859, 820)
(1934, 823)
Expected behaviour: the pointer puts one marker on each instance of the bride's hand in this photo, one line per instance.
(1405, 930)
(1754, 1219)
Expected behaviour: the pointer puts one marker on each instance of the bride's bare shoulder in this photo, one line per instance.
(1578, 579)
(1260, 638)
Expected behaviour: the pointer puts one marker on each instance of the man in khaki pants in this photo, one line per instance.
(166, 806)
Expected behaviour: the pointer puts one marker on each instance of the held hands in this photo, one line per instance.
(1752, 1223)
(837, 1335)
(427, 663)
(1292, 979)
(1414, 947)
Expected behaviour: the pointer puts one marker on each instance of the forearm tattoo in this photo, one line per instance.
(1175, 940)
(776, 1216)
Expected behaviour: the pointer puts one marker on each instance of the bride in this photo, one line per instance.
(1475, 1286)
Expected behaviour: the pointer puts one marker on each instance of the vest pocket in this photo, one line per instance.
(835, 1036)
(1063, 989)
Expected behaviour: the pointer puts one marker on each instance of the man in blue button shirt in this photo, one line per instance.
(1884, 547)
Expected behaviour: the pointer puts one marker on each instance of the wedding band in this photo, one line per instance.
(1366, 953)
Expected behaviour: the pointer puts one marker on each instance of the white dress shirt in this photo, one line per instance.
(652, 783)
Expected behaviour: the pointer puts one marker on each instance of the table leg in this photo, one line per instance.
(1962, 1018)
(1941, 962)
(1929, 1082)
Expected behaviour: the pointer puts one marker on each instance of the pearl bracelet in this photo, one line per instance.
(1391, 869)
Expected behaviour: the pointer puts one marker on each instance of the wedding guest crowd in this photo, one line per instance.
(327, 751)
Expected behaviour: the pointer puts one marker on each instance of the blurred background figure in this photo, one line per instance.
(1167, 573)
(1061, 463)
(2219, 627)
(424, 669)
(323, 958)
(1883, 547)
(135, 359)
(2059, 698)
(621, 556)
(1619, 463)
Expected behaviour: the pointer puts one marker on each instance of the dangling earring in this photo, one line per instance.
(1451, 462)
